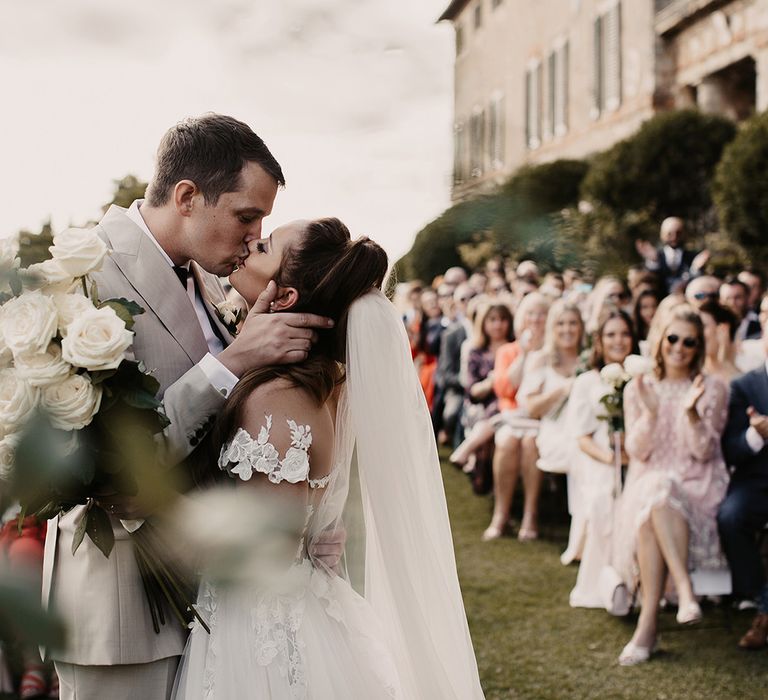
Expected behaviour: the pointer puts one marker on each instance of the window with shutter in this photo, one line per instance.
(533, 104)
(459, 39)
(549, 122)
(612, 63)
(477, 144)
(561, 91)
(597, 68)
(459, 146)
(496, 132)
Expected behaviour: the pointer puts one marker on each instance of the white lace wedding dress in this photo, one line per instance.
(309, 634)
(306, 635)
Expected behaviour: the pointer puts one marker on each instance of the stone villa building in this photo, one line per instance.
(537, 80)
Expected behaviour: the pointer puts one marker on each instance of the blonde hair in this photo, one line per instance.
(527, 303)
(685, 314)
(556, 312)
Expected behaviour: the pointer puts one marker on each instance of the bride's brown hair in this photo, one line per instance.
(329, 271)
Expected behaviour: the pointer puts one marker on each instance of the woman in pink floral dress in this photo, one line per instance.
(676, 477)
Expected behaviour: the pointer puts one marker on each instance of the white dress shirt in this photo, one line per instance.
(218, 375)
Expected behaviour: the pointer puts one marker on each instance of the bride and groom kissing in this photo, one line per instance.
(314, 397)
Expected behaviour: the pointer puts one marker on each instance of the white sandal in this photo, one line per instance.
(633, 654)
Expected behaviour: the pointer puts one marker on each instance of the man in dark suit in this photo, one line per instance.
(744, 512)
(670, 261)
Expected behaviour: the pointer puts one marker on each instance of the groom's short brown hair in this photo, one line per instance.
(211, 151)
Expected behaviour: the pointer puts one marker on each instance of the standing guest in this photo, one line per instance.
(744, 512)
(755, 280)
(676, 478)
(454, 276)
(735, 295)
(701, 290)
(515, 442)
(493, 329)
(591, 478)
(644, 310)
(478, 281)
(448, 386)
(720, 324)
(670, 260)
(428, 343)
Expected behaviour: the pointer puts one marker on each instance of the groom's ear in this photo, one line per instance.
(286, 299)
(183, 196)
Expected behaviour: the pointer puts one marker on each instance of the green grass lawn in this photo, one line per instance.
(531, 644)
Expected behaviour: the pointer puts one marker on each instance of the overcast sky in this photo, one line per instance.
(353, 97)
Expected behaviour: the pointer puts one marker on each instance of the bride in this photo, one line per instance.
(316, 438)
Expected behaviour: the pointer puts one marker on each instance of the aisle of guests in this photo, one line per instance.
(650, 393)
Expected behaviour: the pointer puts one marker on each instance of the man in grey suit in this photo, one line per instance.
(215, 182)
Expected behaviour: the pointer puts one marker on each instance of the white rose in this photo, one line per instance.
(29, 323)
(72, 403)
(42, 369)
(51, 277)
(96, 340)
(6, 356)
(79, 251)
(635, 365)
(9, 260)
(70, 306)
(18, 400)
(7, 452)
(612, 374)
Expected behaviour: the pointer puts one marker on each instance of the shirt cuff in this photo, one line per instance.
(754, 439)
(218, 375)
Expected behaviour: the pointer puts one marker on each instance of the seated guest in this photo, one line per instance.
(591, 476)
(701, 290)
(751, 354)
(515, 442)
(735, 295)
(430, 330)
(644, 310)
(744, 512)
(676, 478)
(493, 329)
(755, 280)
(720, 324)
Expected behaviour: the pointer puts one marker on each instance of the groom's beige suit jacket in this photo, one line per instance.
(102, 599)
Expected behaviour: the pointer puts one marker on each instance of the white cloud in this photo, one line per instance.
(352, 96)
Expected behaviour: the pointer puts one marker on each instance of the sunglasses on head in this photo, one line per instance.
(688, 342)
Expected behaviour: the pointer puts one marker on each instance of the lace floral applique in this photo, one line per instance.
(260, 455)
(207, 605)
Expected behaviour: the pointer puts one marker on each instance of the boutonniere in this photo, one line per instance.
(230, 315)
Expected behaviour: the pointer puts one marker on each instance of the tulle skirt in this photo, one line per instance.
(317, 639)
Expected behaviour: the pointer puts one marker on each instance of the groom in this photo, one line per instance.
(215, 182)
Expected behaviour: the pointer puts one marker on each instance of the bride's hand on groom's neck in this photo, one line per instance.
(270, 339)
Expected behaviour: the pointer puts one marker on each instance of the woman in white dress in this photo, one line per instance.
(288, 433)
(591, 479)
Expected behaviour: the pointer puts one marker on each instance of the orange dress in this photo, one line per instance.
(502, 387)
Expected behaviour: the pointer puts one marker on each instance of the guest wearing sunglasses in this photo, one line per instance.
(671, 261)
(676, 478)
(702, 290)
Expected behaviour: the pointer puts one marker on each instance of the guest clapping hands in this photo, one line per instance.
(676, 477)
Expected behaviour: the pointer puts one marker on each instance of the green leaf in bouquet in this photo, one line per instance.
(125, 309)
(99, 528)
(100, 376)
(14, 280)
(79, 534)
(94, 292)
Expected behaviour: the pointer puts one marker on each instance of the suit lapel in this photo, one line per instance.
(212, 294)
(760, 390)
(149, 273)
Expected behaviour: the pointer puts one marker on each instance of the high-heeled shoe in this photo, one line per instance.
(633, 654)
(492, 532)
(689, 614)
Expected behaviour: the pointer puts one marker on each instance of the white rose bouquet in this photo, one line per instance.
(615, 376)
(78, 416)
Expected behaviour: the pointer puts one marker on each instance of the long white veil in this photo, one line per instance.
(383, 429)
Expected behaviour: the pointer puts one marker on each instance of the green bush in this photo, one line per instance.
(665, 169)
(740, 187)
(516, 221)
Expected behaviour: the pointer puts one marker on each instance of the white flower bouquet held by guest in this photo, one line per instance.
(595, 413)
(676, 478)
